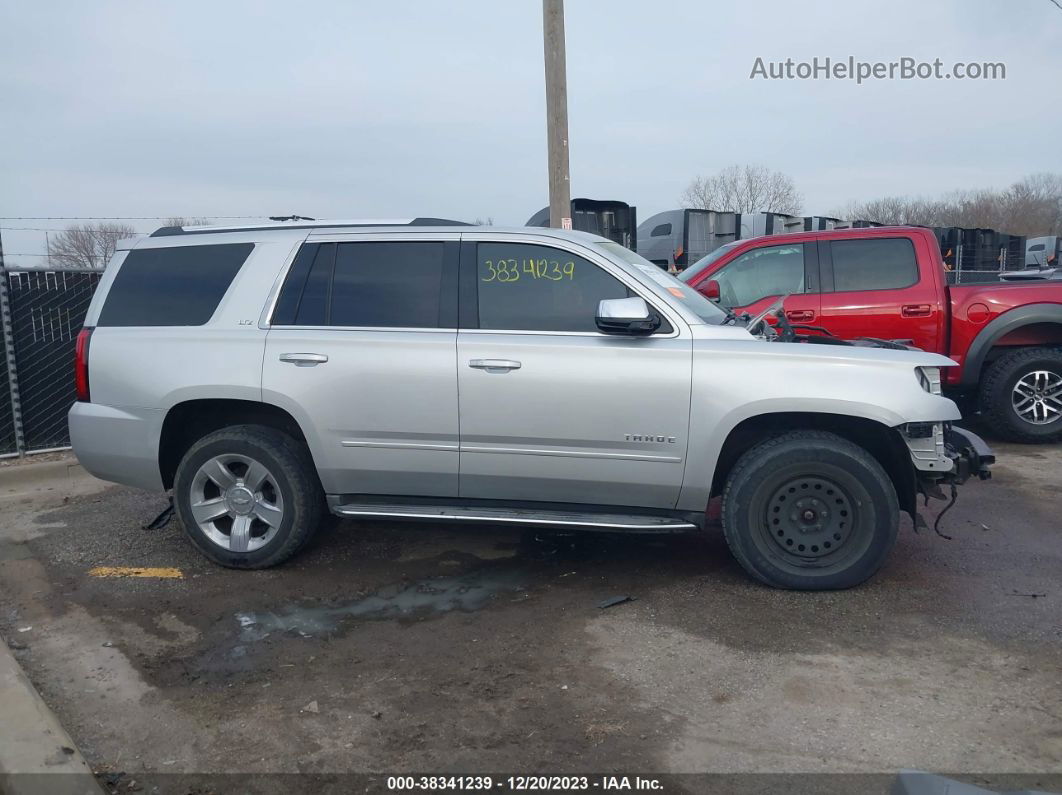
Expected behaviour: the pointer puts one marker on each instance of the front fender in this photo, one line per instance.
(732, 385)
(700, 468)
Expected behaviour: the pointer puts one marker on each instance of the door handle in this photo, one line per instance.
(304, 359)
(916, 310)
(800, 315)
(494, 364)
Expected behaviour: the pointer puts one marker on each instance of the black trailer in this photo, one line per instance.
(615, 220)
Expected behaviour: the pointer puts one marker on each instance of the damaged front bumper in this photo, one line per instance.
(942, 454)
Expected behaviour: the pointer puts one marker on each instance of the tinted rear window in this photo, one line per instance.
(180, 286)
(385, 284)
(886, 263)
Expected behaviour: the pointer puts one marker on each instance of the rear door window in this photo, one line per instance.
(371, 284)
(886, 263)
(175, 286)
(387, 285)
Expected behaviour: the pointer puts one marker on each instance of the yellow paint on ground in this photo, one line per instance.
(162, 572)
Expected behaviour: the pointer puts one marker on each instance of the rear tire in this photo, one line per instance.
(1021, 395)
(248, 496)
(809, 510)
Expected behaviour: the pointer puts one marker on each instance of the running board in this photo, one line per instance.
(603, 521)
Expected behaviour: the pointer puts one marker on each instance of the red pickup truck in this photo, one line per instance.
(889, 283)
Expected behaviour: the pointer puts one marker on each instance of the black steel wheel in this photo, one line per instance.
(811, 518)
(810, 510)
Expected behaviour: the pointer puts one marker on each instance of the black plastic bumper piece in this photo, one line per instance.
(971, 455)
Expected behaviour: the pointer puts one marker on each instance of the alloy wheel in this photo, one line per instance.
(236, 502)
(1037, 397)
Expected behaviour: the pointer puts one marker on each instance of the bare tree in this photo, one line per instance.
(180, 220)
(87, 246)
(1031, 207)
(898, 210)
(488, 221)
(744, 189)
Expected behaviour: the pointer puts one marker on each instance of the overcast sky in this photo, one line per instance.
(369, 109)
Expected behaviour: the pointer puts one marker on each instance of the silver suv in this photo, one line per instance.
(429, 370)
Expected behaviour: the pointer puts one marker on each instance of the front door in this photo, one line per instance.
(361, 352)
(551, 409)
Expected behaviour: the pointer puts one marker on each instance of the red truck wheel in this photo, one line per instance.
(1021, 395)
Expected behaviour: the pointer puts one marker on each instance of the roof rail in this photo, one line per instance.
(167, 231)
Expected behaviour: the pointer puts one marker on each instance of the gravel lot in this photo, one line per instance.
(409, 648)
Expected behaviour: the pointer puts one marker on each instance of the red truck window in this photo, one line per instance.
(762, 272)
(886, 263)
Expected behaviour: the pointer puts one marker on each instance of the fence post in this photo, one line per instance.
(9, 351)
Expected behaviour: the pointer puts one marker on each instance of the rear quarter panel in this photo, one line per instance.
(159, 366)
(137, 373)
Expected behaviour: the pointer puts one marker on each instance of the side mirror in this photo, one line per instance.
(626, 316)
(710, 290)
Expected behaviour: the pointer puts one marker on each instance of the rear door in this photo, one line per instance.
(873, 287)
(752, 281)
(361, 351)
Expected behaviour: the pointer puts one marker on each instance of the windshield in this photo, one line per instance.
(704, 262)
(691, 299)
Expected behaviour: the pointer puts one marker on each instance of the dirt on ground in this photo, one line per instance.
(415, 648)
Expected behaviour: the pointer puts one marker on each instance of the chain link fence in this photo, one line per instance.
(972, 277)
(42, 312)
(9, 441)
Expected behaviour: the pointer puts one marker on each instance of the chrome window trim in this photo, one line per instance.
(418, 329)
(526, 332)
(274, 292)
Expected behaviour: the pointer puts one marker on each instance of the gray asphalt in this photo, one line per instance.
(398, 648)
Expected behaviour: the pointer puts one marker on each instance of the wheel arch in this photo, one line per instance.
(881, 441)
(188, 421)
(1042, 316)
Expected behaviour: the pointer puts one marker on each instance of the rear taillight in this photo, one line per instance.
(81, 382)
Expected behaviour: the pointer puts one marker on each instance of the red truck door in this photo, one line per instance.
(872, 286)
(754, 279)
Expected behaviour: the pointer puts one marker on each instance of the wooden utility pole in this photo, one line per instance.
(560, 198)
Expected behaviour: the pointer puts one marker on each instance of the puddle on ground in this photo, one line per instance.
(464, 593)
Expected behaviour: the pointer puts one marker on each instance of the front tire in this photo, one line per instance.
(1021, 395)
(809, 510)
(248, 496)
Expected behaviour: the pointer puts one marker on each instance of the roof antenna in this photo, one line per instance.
(291, 218)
